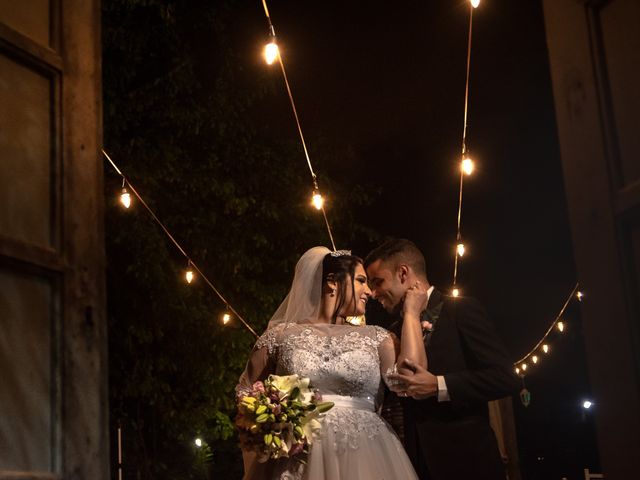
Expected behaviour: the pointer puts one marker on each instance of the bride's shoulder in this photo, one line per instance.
(381, 334)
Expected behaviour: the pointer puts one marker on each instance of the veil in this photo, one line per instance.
(303, 300)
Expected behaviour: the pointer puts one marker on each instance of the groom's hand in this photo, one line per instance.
(419, 386)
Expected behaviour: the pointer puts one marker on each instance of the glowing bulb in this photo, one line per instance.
(271, 52)
(534, 359)
(189, 276)
(560, 326)
(524, 367)
(475, 3)
(460, 249)
(226, 318)
(198, 442)
(517, 370)
(317, 200)
(467, 166)
(579, 295)
(125, 198)
(455, 292)
(587, 404)
(545, 348)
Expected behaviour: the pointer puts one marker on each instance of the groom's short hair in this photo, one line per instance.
(396, 251)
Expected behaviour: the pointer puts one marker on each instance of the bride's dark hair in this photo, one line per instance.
(337, 268)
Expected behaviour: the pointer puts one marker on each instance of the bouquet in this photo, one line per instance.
(278, 418)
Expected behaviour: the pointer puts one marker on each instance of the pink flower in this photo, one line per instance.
(428, 326)
(296, 449)
(258, 387)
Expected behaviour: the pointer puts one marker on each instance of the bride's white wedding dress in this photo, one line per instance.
(344, 363)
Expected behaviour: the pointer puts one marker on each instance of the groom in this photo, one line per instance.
(446, 422)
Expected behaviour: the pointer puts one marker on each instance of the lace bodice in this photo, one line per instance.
(339, 359)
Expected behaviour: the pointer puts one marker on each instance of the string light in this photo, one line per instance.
(467, 166)
(474, 3)
(543, 344)
(125, 198)
(524, 367)
(271, 52)
(198, 442)
(517, 370)
(455, 292)
(317, 200)
(188, 275)
(179, 247)
(460, 249)
(226, 318)
(579, 296)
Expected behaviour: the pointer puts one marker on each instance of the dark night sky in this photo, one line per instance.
(384, 81)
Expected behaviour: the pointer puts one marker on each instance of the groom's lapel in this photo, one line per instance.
(432, 314)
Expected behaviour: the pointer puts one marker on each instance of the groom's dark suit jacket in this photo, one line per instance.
(453, 440)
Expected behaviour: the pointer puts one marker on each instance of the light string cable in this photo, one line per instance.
(316, 189)
(556, 321)
(466, 166)
(190, 262)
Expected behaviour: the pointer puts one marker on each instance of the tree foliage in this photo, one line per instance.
(180, 122)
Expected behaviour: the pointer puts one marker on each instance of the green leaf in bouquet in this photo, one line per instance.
(277, 441)
(324, 406)
(262, 418)
(261, 409)
(295, 393)
(268, 438)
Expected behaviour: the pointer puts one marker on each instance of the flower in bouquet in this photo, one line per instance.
(279, 418)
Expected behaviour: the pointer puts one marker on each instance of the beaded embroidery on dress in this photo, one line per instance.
(343, 363)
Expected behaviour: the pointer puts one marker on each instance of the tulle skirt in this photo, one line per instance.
(355, 443)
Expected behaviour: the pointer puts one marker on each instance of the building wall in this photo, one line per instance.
(53, 385)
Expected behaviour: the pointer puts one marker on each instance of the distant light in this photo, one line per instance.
(517, 370)
(534, 359)
(587, 404)
(524, 367)
(460, 249)
(580, 295)
(226, 318)
(467, 166)
(545, 348)
(317, 200)
(560, 326)
(125, 198)
(475, 3)
(455, 292)
(198, 442)
(271, 52)
(188, 276)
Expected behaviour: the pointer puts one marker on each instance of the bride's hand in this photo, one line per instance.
(415, 300)
(422, 384)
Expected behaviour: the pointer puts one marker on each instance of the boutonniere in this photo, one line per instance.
(429, 319)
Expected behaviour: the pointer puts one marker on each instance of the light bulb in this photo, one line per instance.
(517, 370)
(587, 404)
(560, 326)
(467, 166)
(475, 3)
(198, 442)
(460, 249)
(524, 367)
(534, 359)
(189, 275)
(317, 200)
(125, 198)
(455, 292)
(226, 318)
(271, 52)
(545, 348)
(579, 295)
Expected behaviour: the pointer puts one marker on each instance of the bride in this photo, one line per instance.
(308, 336)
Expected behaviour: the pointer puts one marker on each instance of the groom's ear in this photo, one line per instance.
(403, 272)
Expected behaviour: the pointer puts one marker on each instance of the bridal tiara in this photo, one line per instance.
(340, 253)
